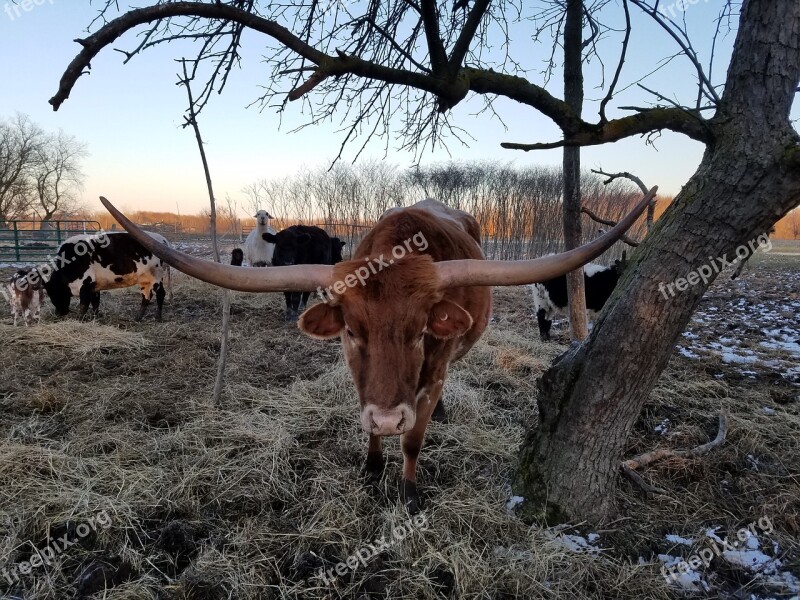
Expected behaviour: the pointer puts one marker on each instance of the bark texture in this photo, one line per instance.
(749, 177)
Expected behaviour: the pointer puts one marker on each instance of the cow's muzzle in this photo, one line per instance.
(392, 421)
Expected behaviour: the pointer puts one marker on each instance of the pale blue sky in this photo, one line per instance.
(130, 115)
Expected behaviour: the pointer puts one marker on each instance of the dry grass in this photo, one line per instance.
(248, 499)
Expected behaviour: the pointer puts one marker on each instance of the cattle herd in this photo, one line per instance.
(402, 311)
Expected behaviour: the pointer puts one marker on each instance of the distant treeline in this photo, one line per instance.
(519, 208)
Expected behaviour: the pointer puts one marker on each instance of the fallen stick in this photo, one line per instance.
(629, 466)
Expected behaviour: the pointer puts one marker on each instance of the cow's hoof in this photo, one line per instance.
(373, 468)
(409, 497)
(159, 319)
(439, 413)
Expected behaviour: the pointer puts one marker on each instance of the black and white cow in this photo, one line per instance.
(85, 265)
(300, 245)
(550, 297)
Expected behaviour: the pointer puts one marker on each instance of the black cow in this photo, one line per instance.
(336, 250)
(550, 297)
(237, 257)
(85, 265)
(300, 245)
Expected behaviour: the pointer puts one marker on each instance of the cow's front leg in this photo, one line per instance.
(96, 303)
(147, 294)
(86, 295)
(161, 293)
(411, 443)
(544, 325)
(290, 316)
(373, 467)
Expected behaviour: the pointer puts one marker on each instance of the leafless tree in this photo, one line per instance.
(57, 175)
(21, 142)
(405, 63)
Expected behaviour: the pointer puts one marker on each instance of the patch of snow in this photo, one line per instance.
(689, 581)
(785, 581)
(768, 411)
(676, 539)
(514, 502)
(576, 543)
(687, 353)
(662, 427)
(732, 357)
(752, 560)
(712, 534)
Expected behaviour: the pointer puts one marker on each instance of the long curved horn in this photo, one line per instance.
(299, 278)
(457, 273)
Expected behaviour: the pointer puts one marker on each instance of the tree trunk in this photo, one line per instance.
(573, 96)
(749, 177)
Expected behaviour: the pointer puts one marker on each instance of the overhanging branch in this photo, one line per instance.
(679, 120)
(450, 89)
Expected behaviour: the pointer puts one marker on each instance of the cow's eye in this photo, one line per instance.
(350, 333)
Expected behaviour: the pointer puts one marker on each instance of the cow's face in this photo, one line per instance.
(387, 326)
(60, 295)
(287, 244)
(336, 250)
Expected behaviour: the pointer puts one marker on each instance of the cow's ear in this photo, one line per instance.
(269, 237)
(322, 321)
(448, 320)
(269, 216)
(343, 244)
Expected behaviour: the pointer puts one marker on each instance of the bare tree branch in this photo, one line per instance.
(430, 19)
(655, 119)
(608, 222)
(449, 90)
(650, 457)
(623, 53)
(468, 32)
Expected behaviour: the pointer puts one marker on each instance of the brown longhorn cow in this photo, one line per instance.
(414, 298)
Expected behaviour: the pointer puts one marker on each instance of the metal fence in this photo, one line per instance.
(26, 242)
